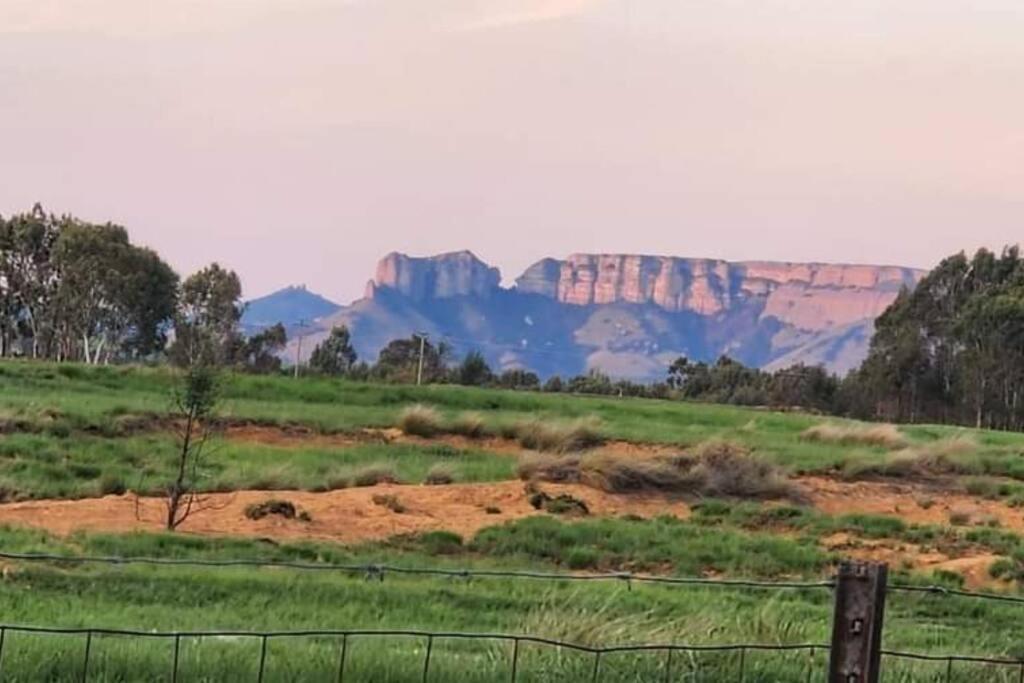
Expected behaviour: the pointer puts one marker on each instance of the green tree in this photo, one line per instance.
(260, 353)
(113, 298)
(334, 355)
(399, 360)
(206, 324)
(29, 276)
(474, 370)
(520, 379)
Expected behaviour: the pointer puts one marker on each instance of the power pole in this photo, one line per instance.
(298, 347)
(419, 368)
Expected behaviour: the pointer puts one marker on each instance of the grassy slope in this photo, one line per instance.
(74, 412)
(596, 613)
(63, 400)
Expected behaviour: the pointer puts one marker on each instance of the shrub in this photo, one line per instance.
(390, 501)
(1004, 568)
(562, 469)
(579, 435)
(440, 474)
(716, 469)
(112, 486)
(885, 435)
(562, 504)
(420, 420)
(441, 543)
(582, 558)
(726, 469)
(377, 473)
(471, 425)
(959, 517)
(508, 430)
(282, 508)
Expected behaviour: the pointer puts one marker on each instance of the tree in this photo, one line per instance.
(206, 324)
(474, 370)
(952, 350)
(553, 385)
(113, 298)
(334, 355)
(195, 399)
(399, 360)
(520, 379)
(30, 278)
(260, 352)
(71, 290)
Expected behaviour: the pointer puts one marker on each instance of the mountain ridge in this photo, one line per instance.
(626, 314)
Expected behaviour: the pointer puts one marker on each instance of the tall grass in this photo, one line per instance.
(716, 468)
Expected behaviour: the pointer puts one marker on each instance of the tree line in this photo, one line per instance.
(951, 350)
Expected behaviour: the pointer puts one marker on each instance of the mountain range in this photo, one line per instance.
(628, 315)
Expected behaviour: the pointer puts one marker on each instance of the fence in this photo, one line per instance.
(854, 655)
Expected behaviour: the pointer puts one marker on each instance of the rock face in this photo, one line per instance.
(627, 315)
(811, 296)
(437, 277)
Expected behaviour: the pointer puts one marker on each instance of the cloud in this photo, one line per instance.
(528, 12)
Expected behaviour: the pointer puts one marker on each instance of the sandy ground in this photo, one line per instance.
(348, 515)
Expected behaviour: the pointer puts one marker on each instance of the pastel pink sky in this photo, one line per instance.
(299, 140)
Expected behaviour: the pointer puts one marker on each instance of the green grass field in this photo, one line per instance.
(73, 431)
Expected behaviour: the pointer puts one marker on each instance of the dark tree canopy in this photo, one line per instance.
(334, 355)
(399, 360)
(71, 290)
(952, 350)
(474, 370)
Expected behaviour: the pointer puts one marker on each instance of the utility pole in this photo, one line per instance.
(298, 347)
(419, 368)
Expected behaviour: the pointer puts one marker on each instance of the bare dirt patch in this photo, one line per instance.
(346, 516)
(973, 567)
(914, 503)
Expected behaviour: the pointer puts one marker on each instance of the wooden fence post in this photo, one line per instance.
(857, 623)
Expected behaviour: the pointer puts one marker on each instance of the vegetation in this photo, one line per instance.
(335, 355)
(716, 469)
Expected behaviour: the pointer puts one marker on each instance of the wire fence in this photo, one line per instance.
(661, 660)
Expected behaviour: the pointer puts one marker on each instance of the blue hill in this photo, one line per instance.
(291, 306)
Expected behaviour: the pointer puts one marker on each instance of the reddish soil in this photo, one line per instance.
(347, 516)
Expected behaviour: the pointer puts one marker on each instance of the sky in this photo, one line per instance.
(298, 141)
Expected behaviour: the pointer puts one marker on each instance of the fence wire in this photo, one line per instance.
(377, 572)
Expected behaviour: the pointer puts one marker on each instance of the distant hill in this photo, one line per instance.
(289, 306)
(627, 315)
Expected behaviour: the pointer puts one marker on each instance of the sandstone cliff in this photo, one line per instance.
(808, 295)
(436, 277)
(627, 315)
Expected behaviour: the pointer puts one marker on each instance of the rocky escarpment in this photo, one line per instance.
(436, 277)
(626, 315)
(808, 295)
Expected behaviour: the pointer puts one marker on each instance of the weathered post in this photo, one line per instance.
(857, 623)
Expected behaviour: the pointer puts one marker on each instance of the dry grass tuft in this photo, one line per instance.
(942, 457)
(718, 468)
(282, 508)
(440, 474)
(371, 475)
(471, 425)
(884, 435)
(390, 501)
(420, 420)
(579, 435)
